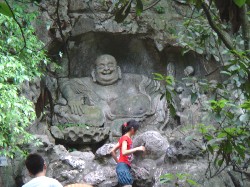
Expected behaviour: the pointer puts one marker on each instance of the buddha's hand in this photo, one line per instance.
(76, 106)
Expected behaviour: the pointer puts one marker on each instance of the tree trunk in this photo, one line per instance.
(245, 28)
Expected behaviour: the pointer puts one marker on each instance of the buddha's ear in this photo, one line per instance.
(119, 72)
(93, 75)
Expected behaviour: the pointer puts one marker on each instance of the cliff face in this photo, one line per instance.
(89, 30)
(76, 32)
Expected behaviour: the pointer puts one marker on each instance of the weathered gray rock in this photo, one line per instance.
(155, 144)
(6, 177)
(182, 150)
(51, 84)
(75, 162)
(103, 154)
(31, 90)
(77, 5)
(104, 151)
(56, 132)
(143, 177)
(41, 128)
(44, 139)
(57, 152)
(83, 25)
(147, 164)
(87, 156)
(102, 177)
(64, 70)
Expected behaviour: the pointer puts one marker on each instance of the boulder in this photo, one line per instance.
(88, 156)
(102, 177)
(104, 156)
(142, 177)
(56, 132)
(77, 5)
(104, 151)
(181, 150)
(83, 25)
(155, 144)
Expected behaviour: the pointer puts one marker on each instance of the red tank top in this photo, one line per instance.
(125, 158)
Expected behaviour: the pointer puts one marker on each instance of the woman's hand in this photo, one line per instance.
(141, 148)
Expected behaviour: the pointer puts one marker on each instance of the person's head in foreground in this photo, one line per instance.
(37, 169)
(35, 165)
(130, 127)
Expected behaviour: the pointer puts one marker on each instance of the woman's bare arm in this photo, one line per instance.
(125, 151)
(113, 152)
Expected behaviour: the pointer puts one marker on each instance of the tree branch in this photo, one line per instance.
(62, 36)
(152, 5)
(19, 25)
(245, 28)
(224, 36)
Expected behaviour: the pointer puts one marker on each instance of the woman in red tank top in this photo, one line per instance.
(123, 168)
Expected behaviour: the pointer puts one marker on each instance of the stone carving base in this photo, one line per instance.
(81, 135)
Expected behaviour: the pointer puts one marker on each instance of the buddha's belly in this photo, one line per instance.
(131, 106)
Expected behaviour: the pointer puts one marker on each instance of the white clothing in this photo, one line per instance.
(43, 181)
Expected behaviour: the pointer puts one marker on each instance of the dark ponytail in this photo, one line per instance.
(127, 126)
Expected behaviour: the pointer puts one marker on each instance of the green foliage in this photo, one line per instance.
(198, 36)
(169, 94)
(178, 179)
(160, 9)
(239, 3)
(17, 64)
(229, 142)
(139, 7)
(227, 138)
(5, 10)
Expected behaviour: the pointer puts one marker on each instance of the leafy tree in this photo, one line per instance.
(22, 58)
(220, 31)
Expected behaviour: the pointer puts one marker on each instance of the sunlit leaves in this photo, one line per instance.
(139, 7)
(17, 66)
(5, 10)
(177, 179)
(246, 105)
(228, 109)
(169, 83)
(239, 3)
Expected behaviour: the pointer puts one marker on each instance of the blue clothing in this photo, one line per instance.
(124, 175)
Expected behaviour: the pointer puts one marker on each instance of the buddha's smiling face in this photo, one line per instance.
(106, 70)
